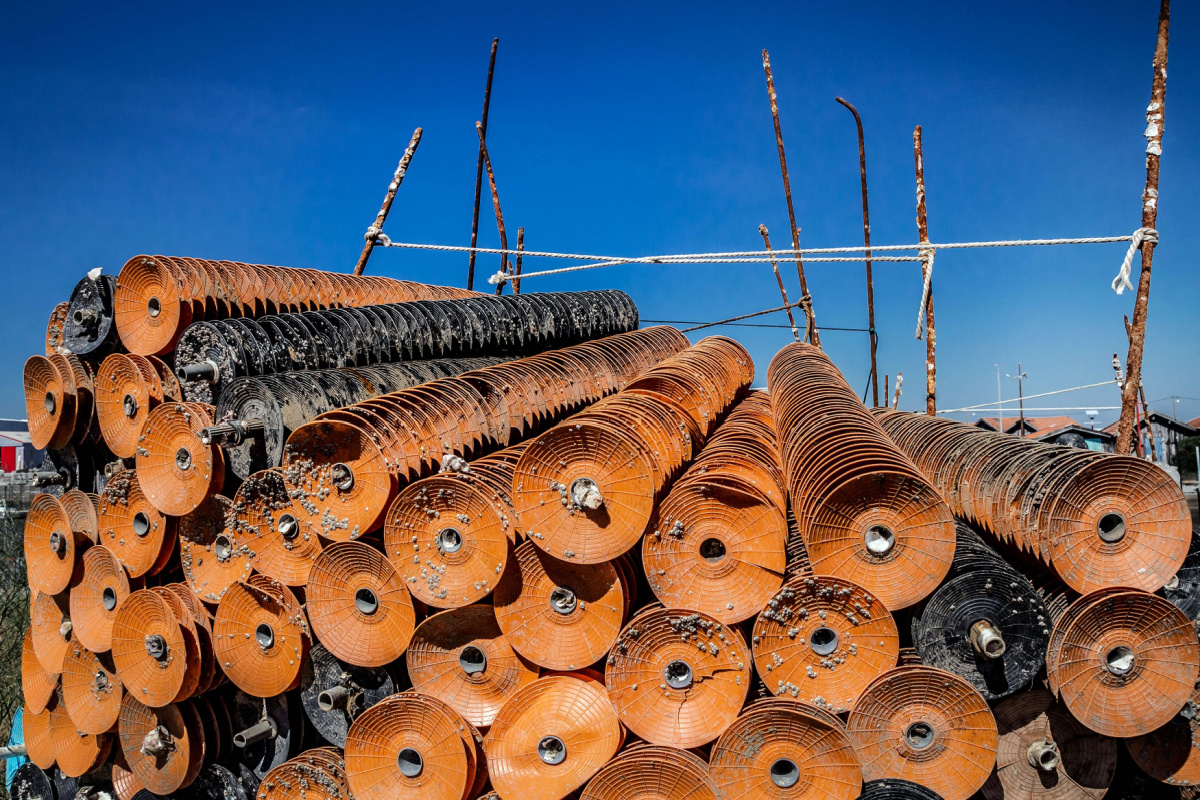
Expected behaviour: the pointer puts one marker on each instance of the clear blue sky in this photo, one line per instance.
(267, 133)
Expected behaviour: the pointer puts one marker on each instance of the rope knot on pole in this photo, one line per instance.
(1121, 282)
(499, 279)
(927, 254)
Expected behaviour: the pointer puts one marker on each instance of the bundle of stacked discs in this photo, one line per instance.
(308, 535)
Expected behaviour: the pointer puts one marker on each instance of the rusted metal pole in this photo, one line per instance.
(517, 271)
(923, 230)
(1155, 120)
(885, 389)
(762, 229)
(487, 100)
(862, 172)
(805, 298)
(377, 228)
(1145, 413)
(487, 164)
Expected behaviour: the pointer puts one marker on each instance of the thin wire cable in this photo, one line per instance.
(1026, 397)
(743, 324)
(1039, 408)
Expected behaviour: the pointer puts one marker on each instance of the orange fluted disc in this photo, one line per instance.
(132, 527)
(51, 630)
(786, 748)
(75, 752)
(149, 310)
(172, 391)
(461, 656)
(191, 655)
(95, 599)
(1128, 664)
(313, 775)
(570, 456)
(49, 403)
(1168, 754)
(39, 741)
(177, 471)
(337, 478)
(37, 685)
(648, 772)
(551, 737)
(123, 401)
(212, 553)
(447, 541)
(281, 545)
(260, 643)
(125, 783)
(678, 678)
(82, 513)
(91, 690)
(823, 640)
(888, 532)
(159, 745)
(925, 725)
(716, 549)
(408, 746)
(559, 615)
(54, 329)
(358, 606)
(50, 545)
(148, 649)
(1074, 763)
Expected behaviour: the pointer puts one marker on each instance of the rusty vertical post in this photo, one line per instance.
(487, 99)
(377, 227)
(1145, 413)
(923, 230)
(885, 390)
(1155, 120)
(811, 332)
(862, 172)
(762, 229)
(517, 270)
(487, 164)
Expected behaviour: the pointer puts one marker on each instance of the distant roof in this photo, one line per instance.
(1188, 428)
(1195, 423)
(13, 438)
(1038, 425)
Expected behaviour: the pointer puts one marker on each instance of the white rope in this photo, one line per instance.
(929, 254)
(1121, 282)
(996, 410)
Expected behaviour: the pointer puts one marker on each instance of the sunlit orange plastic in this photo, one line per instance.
(127, 389)
(94, 601)
(260, 642)
(1167, 754)
(1128, 663)
(551, 737)
(678, 678)
(49, 403)
(159, 744)
(83, 514)
(358, 606)
(91, 690)
(338, 479)
(461, 656)
(653, 773)
(37, 685)
(1045, 752)
(191, 654)
(131, 527)
(211, 552)
(281, 546)
(51, 629)
(125, 783)
(148, 649)
(561, 616)
(317, 774)
(76, 752)
(52, 547)
(925, 725)
(177, 471)
(823, 640)
(54, 329)
(39, 740)
(785, 748)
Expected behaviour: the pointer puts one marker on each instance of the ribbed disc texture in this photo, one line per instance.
(127, 390)
(148, 648)
(160, 746)
(318, 774)
(316, 459)
(212, 552)
(50, 545)
(76, 752)
(88, 325)
(91, 690)
(37, 685)
(176, 470)
(653, 773)
(95, 600)
(281, 546)
(322, 683)
(358, 605)
(54, 329)
(260, 638)
(83, 512)
(50, 625)
(1168, 754)
(132, 528)
(896, 789)
(39, 741)
(49, 403)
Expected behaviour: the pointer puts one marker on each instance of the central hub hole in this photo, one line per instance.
(919, 735)
(100, 681)
(552, 750)
(108, 598)
(1111, 527)
(342, 476)
(131, 406)
(154, 306)
(678, 675)
(265, 635)
(563, 600)
(183, 458)
(78, 317)
(51, 403)
(1119, 660)
(141, 523)
(712, 550)
(784, 773)
(472, 660)
(823, 641)
(449, 540)
(58, 543)
(586, 494)
(223, 547)
(880, 540)
(288, 527)
(366, 601)
(410, 762)
(156, 647)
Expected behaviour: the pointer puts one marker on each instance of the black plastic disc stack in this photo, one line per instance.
(89, 329)
(30, 782)
(349, 689)
(896, 789)
(284, 712)
(1184, 589)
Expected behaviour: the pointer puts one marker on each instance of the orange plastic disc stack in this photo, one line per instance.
(260, 637)
(412, 746)
(925, 725)
(865, 512)
(164, 747)
(461, 656)
(358, 606)
(177, 471)
(317, 774)
(1044, 752)
(54, 329)
(653, 773)
(338, 477)
(39, 741)
(76, 753)
(140, 535)
(1126, 663)
(551, 737)
(127, 390)
(49, 403)
(52, 548)
(91, 691)
(561, 616)
(83, 514)
(51, 626)
(79, 381)
(824, 640)
(37, 685)
(148, 649)
(94, 601)
(212, 553)
(786, 748)
(282, 546)
(678, 678)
